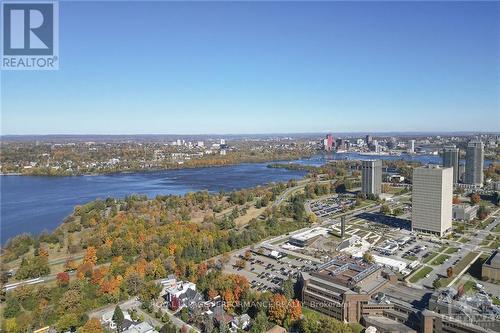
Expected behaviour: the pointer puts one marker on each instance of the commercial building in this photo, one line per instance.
(464, 212)
(328, 143)
(432, 199)
(491, 267)
(474, 160)
(371, 177)
(411, 146)
(450, 159)
(307, 237)
(352, 290)
(339, 287)
(452, 311)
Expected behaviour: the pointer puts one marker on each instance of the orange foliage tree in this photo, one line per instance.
(93, 325)
(90, 256)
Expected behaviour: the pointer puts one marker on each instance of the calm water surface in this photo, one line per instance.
(33, 204)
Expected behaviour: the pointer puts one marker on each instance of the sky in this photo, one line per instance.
(263, 67)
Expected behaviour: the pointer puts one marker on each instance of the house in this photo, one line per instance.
(107, 320)
(179, 294)
(220, 315)
(241, 322)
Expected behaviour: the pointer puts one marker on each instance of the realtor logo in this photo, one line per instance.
(30, 35)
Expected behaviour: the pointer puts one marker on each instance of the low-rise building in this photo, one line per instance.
(307, 237)
(464, 212)
(181, 294)
(491, 267)
(339, 287)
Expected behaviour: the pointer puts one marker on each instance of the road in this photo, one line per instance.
(473, 245)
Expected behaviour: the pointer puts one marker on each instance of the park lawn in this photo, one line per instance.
(494, 244)
(440, 260)
(356, 327)
(485, 223)
(496, 301)
(411, 258)
(451, 250)
(470, 285)
(429, 257)
(442, 248)
(464, 262)
(459, 267)
(464, 240)
(420, 274)
(252, 213)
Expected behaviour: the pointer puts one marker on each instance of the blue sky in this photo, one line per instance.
(160, 67)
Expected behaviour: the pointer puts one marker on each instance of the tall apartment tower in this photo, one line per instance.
(328, 143)
(371, 177)
(450, 159)
(474, 160)
(411, 146)
(432, 199)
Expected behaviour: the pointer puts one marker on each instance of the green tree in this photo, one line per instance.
(288, 289)
(384, 209)
(260, 323)
(67, 322)
(118, 318)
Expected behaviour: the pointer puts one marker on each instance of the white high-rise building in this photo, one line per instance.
(371, 177)
(432, 198)
(411, 147)
(474, 161)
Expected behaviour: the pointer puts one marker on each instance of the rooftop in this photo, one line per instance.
(306, 235)
(346, 271)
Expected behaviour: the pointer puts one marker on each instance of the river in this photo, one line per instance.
(33, 204)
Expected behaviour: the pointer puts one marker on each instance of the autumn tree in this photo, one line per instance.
(93, 325)
(90, 256)
(295, 310)
(475, 198)
(368, 257)
(248, 255)
(278, 308)
(62, 279)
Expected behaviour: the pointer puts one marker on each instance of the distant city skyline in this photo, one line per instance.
(266, 67)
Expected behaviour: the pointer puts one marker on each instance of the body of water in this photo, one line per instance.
(33, 204)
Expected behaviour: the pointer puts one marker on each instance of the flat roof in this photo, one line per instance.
(345, 271)
(387, 324)
(308, 234)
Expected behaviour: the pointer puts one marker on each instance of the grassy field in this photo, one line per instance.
(464, 240)
(420, 274)
(470, 285)
(429, 257)
(459, 267)
(451, 250)
(440, 260)
(252, 213)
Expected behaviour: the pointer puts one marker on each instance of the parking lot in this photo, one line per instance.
(332, 205)
(265, 273)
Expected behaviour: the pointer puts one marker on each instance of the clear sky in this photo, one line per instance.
(196, 68)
